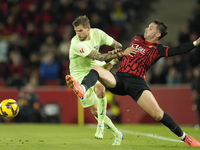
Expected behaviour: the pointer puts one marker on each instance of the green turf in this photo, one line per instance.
(73, 137)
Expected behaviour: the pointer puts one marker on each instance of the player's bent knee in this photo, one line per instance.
(97, 68)
(157, 115)
(99, 90)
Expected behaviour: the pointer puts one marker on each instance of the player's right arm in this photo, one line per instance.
(109, 56)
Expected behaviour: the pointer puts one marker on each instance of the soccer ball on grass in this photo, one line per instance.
(9, 108)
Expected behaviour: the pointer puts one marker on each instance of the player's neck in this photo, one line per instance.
(88, 37)
(152, 40)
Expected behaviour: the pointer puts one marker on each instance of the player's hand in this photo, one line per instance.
(197, 42)
(115, 51)
(128, 51)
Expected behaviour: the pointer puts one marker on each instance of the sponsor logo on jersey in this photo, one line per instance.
(139, 48)
(81, 50)
(96, 47)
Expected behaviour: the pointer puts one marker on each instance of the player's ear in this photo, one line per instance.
(158, 35)
(88, 28)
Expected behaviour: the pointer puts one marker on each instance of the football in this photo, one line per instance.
(9, 108)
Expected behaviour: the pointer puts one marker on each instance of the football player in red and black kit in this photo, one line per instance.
(130, 78)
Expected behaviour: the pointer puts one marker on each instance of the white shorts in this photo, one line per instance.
(90, 98)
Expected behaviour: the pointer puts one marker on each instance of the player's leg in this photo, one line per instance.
(109, 125)
(99, 73)
(150, 105)
(99, 89)
(96, 73)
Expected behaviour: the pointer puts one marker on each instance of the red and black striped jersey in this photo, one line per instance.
(147, 54)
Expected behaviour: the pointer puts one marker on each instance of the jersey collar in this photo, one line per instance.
(150, 42)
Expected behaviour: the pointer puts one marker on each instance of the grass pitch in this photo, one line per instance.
(73, 137)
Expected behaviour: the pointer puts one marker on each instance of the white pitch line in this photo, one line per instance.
(149, 135)
(143, 134)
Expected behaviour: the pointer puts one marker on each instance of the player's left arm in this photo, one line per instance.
(181, 49)
(118, 47)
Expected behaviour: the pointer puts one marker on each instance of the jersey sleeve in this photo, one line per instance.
(181, 49)
(163, 50)
(81, 49)
(105, 38)
(166, 51)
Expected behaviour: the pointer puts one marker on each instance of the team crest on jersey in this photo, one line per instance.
(81, 50)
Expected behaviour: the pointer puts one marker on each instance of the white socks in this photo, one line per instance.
(183, 136)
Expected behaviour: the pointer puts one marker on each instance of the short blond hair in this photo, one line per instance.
(81, 20)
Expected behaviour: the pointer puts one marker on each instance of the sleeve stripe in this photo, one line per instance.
(167, 52)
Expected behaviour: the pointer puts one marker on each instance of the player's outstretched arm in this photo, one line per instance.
(183, 48)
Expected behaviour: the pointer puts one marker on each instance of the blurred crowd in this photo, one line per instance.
(35, 35)
(179, 69)
(35, 39)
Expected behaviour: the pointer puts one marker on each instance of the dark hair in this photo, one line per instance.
(81, 20)
(162, 27)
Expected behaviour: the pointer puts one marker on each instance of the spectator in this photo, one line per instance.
(173, 77)
(64, 45)
(157, 76)
(49, 46)
(28, 102)
(96, 21)
(49, 67)
(16, 68)
(195, 87)
(34, 79)
(184, 35)
(4, 71)
(3, 49)
(32, 65)
(118, 15)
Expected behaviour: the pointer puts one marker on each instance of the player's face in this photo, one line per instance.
(82, 33)
(151, 32)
